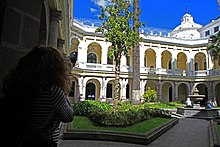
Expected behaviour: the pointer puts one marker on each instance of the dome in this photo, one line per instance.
(188, 29)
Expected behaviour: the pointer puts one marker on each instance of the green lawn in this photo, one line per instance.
(218, 129)
(142, 127)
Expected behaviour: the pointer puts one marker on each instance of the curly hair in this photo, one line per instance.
(40, 68)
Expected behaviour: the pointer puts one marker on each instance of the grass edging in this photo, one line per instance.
(213, 134)
(136, 138)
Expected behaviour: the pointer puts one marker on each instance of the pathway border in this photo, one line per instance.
(213, 134)
(77, 134)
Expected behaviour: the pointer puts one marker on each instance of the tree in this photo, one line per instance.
(214, 47)
(116, 27)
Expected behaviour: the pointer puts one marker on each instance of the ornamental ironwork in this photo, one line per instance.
(146, 30)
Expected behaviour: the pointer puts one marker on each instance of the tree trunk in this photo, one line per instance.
(117, 85)
(136, 60)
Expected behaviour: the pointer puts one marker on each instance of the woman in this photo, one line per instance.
(38, 88)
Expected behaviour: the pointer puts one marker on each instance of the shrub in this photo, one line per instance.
(81, 108)
(102, 114)
(123, 118)
(126, 106)
(150, 95)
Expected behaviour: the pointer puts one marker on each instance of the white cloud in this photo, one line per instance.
(93, 10)
(102, 3)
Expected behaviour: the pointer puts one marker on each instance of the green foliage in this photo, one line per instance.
(82, 107)
(214, 47)
(157, 105)
(150, 95)
(117, 28)
(126, 106)
(102, 114)
(143, 127)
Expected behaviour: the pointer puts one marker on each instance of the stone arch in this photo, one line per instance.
(74, 45)
(151, 84)
(200, 61)
(111, 84)
(150, 58)
(216, 64)
(167, 92)
(183, 91)
(110, 89)
(95, 48)
(182, 61)
(166, 58)
(203, 90)
(92, 89)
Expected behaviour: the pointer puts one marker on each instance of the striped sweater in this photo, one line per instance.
(47, 112)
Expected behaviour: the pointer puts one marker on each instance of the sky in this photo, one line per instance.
(165, 14)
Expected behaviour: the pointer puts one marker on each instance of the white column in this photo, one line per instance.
(82, 52)
(158, 60)
(81, 89)
(142, 86)
(209, 61)
(174, 60)
(123, 83)
(104, 54)
(191, 64)
(142, 54)
(123, 60)
(102, 91)
(190, 61)
(143, 83)
(82, 55)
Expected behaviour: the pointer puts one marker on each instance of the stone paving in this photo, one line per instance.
(187, 133)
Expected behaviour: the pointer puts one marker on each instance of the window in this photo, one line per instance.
(90, 91)
(207, 33)
(91, 58)
(216, 29)
(109, 90)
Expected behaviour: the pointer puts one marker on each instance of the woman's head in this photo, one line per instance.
(41, 67)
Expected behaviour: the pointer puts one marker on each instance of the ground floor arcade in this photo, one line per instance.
(102, 88)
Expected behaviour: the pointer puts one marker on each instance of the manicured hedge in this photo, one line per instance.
(102, 114)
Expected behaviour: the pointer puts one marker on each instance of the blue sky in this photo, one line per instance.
(164, 14)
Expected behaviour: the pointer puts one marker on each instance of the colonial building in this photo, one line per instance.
(173, 62)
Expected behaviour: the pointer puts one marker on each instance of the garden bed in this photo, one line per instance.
(132, 134)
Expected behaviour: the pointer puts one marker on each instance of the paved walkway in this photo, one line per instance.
(187, 133)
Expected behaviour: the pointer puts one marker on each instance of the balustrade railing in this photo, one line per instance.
(147, 70)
